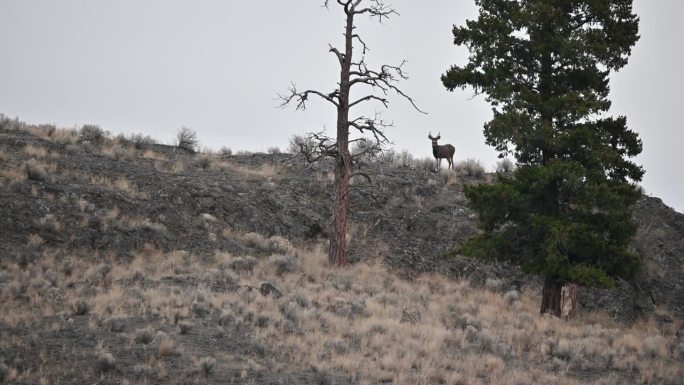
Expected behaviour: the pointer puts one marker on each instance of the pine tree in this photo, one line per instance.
(543, 66)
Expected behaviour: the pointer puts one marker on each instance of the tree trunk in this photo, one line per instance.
(569, 301)
(337, 252)
(551, 297)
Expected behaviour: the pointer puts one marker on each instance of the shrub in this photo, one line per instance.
(64, 136)
(205, 365)
(256, 241)
(49, 224)
(105, 362)
(144, 336)
(186, 139)
(494, 284)
(35, 171)
(167, 346)
(299, 141)
(204, 161)
(471, 167)
(184, 327)
(505, 166)
(282, 263)
(511, 297)
(116, 324)
(427, 164)
(402, 159)
(367, 149)
(154, 227)
(240, 264)
(93, 134)
(225, 151)
(143, 370)
(11, 124)
(273, 150)
(80, 307)
(141, 142)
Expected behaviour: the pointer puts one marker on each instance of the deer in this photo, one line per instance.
(442, 152)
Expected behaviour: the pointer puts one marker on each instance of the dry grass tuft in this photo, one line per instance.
(166, 345)
(205, 365)
(121, 184)
(263, 172)
(449, 177)
(35, 151)
(38, 171)
(80, 307)
(13, 176)
(53, 134)
(144, 336)
(105, 362)
(149, 154)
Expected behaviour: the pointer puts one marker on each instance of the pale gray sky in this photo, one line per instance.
(152, 66)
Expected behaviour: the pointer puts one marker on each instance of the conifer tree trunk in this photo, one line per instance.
(337, 252)
(551, 297)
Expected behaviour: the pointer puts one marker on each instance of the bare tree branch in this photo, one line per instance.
(316, 146)
(377, 9)
(385, 80)
(340, 55)
(369, 97)
(302, 97)
(363, 43)
(376, 126)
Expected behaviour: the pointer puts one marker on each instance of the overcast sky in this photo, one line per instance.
(152, 66)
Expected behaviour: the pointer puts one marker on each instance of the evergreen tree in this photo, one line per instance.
(543, 66)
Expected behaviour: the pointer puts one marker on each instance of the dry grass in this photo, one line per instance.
(52, 134)
(362, 320)
(470, 167)
(167, 346)
(173, 167)
(12, 176)
(35, 151)
(116, 151)
(449, 177)
(149, 154)
(264, 171)
(120, 184)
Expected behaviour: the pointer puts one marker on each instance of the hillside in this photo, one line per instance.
(127, 260)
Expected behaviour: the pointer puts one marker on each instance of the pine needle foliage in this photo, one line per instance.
(543, 65)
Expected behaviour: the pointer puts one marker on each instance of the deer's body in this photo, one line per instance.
(445, 151)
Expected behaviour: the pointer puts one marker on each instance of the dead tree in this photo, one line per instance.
(382, 82)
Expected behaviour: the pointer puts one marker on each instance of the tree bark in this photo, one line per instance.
(551, 297)
(337, 253)
(569, 301)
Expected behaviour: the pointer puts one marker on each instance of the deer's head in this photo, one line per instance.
(434, 139)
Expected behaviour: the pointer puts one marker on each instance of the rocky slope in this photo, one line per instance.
(126, 261)
(89, 196)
